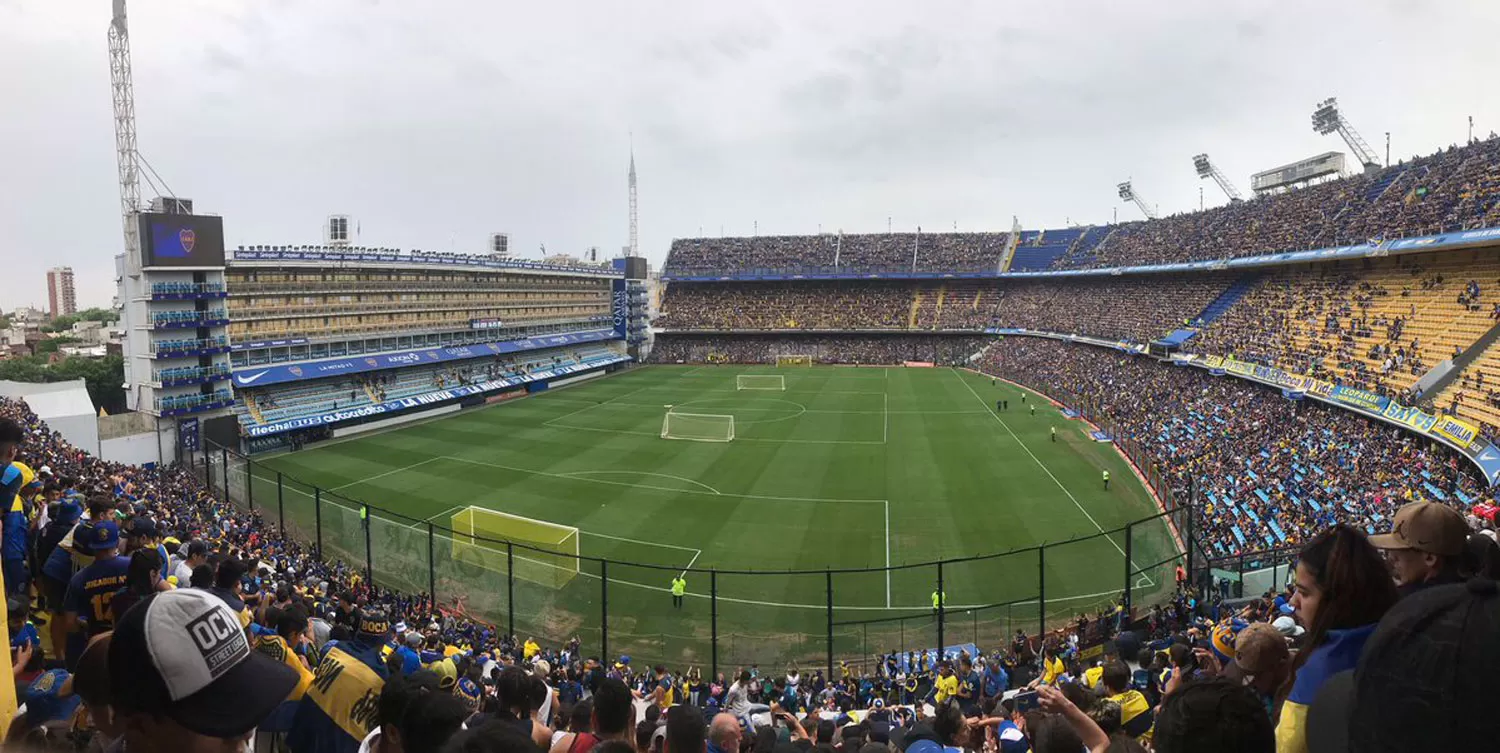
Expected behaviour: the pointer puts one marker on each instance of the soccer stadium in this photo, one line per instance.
(1220, 479)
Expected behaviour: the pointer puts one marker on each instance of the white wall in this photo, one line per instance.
(136, 449)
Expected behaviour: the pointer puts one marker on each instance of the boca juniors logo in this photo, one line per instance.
(188, 238)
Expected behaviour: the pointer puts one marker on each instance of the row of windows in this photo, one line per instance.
(442, 298)
(378, 323)
(238, 278)
(459, 311)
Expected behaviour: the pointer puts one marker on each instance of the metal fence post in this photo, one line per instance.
(603, 608)
(1041, 590)
(828, 574)
(510, 587)
(364, 520)
(942, 607)
(318, 521)
(431, 567)
(280, 506)
(249, 487)
(713, 624)
(1129, 568)
(224, 461)
(1188, 524)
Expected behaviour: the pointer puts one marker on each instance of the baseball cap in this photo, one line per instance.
(182, 654)
(1259, 648)
(50, 697)
(1426, 678)
(1288, 626)
(141, 527)
(101, 535)
(1426, 527)
(374, 623)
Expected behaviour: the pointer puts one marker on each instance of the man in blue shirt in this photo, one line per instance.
(13, 531)
(996, 680)
(92, 588)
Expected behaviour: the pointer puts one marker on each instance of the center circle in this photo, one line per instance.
(757, 412)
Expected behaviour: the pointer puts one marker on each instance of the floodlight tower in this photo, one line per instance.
(1207, 169)
(1327, 119)
(1128, 193)
(122, 88)
(635, 249)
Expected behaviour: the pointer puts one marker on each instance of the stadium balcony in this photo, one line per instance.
(284, 402)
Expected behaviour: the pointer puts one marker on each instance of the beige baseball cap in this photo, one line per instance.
(1426, 527)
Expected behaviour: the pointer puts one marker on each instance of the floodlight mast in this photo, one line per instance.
(1207, 169)
(1327, 119)
(1127, 192)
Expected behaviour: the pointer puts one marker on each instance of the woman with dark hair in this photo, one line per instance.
(141, 578)
(1342, 590)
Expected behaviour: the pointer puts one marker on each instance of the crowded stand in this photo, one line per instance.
(1268, 470)
(1137, 309)
(944, 350)
(1455, 189)
(894, 252)
(1377, 325)
(242, 637)
(788, 305)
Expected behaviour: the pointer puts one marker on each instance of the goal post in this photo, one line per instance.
(697, 427)
(775, 382)
(791, 360)
(546, 553)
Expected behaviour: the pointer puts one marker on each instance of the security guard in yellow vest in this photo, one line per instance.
(1106, 480)
(679, 588)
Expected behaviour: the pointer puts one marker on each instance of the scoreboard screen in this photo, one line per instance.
(182, 240)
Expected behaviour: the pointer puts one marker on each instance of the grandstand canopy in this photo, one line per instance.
(65, 406)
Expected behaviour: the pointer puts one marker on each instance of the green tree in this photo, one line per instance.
(51, 344)
(103, 377)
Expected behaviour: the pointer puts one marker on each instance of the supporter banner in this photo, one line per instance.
(417, 401)
(1461, 432)
(264, 375)
(413, 257)
(187, 434)
(1360, 398)
(1409, 417)
(1239, 368)
(1357, 251)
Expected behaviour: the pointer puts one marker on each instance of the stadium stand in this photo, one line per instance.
(1455, 189)
(1376, 325)
(1270, 471)
(269, 405)
(842, 349)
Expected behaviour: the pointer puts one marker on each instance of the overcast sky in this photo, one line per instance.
(436, 123)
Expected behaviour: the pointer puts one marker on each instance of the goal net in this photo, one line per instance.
(697, 427)
(760, 382)
(794, 360)
(544, 553)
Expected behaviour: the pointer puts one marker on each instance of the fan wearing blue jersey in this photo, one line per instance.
(86, 606)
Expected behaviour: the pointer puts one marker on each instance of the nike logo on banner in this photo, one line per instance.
(249, 378)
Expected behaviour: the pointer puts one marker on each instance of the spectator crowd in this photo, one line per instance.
(946, 350)
(1457, 188)
(192, 627)
(1268, 471)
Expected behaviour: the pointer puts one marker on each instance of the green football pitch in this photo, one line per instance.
(870, 473)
